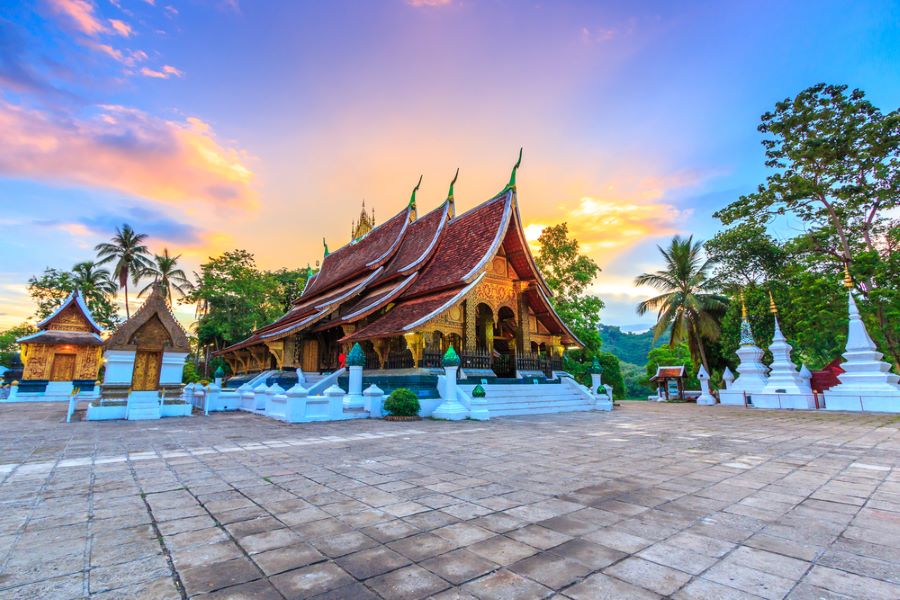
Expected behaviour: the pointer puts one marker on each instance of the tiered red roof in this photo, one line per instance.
(417, 269)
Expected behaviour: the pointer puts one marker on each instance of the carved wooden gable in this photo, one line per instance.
(69, 319)
(152, 327)
(152, 335)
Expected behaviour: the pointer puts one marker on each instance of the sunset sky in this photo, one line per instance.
(216, 124)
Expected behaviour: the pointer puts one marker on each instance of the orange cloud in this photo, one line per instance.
(129, 151)
(164, 73)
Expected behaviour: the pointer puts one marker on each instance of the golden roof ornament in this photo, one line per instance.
(772, 306)
(848, 280)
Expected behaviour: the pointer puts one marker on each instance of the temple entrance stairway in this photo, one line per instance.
(531, 399)
(142, 406)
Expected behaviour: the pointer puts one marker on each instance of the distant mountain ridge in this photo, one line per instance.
(629, 347)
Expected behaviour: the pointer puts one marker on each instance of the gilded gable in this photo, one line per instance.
(69, 319)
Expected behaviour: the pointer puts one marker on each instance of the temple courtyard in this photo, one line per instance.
(650, 500)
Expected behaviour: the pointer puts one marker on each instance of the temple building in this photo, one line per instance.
(63, 355)
(145, 357)
(410, 288)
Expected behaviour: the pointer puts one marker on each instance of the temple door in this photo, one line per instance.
(310, 356)
(146, 370)
(63, 368)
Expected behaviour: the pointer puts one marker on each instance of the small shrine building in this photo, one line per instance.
(146, 353)
(64, 354)
(411, 287)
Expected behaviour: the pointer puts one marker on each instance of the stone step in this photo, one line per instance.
(143, 413)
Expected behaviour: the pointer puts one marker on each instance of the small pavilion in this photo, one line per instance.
(145, 357)
(669, 383)
(63, 355)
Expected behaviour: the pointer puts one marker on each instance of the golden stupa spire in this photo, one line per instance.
(848, 280)
(772, 306)
(743, 307)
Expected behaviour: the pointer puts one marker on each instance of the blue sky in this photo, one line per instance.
(215, 125)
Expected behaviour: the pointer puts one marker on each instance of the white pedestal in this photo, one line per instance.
(354, 397)
(450, 408)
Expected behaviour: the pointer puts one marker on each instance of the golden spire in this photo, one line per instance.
(743, 307)
(364, 225)
(772, 306)
(848, 280)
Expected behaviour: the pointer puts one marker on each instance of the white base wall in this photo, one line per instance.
(867, 403)
(119, 367)
(792, 401)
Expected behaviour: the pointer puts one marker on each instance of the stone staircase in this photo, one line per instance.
(533, 399)
(142, 406)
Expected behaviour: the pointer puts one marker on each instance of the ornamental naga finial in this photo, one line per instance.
(512, 177)
(412, 201)
(450, 200)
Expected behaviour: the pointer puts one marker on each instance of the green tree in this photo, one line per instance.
(689, 307)
(8, 346)
(167, 276)
(54, 286)
(288, 285)
(569, 274)
(635, 378)
(131, 257)
(233, 298)
(612, 374)
(673, 356)
(835, 161)
(744, 255)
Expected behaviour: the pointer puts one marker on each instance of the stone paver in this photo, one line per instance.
(648, 501)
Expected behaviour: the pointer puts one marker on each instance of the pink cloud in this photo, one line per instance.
(429, 3)
(127, 150)
(164, 73)
(121, 27)
(80, 14)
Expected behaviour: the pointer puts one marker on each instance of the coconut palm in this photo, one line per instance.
(689, 306)
(130, 254)
(90, 279)
(167, 276)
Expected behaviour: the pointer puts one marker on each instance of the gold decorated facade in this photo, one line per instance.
(67, 346)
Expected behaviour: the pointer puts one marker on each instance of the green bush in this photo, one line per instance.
(402, 403)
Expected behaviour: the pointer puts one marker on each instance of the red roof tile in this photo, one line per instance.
(419, 243)
(465, 245)
(402, 315)
(369, 253)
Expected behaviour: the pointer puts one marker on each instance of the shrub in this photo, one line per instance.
(402, 403)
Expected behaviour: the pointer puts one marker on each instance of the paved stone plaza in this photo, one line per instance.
(648, 501)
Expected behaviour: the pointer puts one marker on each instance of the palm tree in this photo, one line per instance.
(166, 276)
(90, 279)
(128, 250)
(688, 306)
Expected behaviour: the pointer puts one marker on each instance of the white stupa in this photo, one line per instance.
(751, 370)
(866, 383)
(786, 388)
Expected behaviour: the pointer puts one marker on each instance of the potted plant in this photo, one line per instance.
(402, 405)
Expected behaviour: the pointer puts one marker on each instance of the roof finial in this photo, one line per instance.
(772, 306)
(450, 193)
(848, 280)
(412, 201)
(743, 307)
(512, 177)
(325, 245)
(451, 210)
(309, 271)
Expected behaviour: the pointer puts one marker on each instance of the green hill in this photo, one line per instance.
(629, 347)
